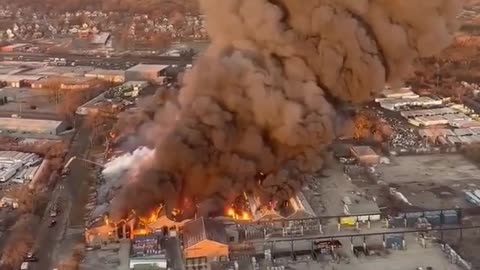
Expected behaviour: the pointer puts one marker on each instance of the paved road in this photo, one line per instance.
(68, 194)
(88, 59)
(32, 115)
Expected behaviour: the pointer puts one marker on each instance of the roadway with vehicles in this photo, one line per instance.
(66, 197)
(79, 59)
(32, 115)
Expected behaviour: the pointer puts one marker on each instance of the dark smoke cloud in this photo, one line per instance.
(265, 96)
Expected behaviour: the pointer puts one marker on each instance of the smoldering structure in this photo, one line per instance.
(259, 109)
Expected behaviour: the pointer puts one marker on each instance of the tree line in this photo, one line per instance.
(153, 7)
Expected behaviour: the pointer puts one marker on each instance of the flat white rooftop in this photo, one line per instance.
(147, 68)
(7, 123)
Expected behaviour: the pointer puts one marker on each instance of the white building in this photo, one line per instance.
(147, 72)
(116, 76)
(31, 126)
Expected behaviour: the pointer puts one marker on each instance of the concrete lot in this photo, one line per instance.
(432, 181)
(413, 257)
(108, 258)
(20, 100)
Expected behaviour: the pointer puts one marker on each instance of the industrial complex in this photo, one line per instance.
(284, 146)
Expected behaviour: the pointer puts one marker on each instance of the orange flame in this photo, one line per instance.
(176, 212)
(238, 214)
(140, 232)
(107, 221)
(246, 216)
(152, 217)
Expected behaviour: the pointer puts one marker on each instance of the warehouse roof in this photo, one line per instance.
(463, 132)
(27, 124)
(475, 130)
(202, 229)
(14, 46)
(15, 78)
(436, 132)
(147, 68)
(359, 205)
(100, 38)
(299, 206)
(106, 72)
(398, 92)
(428, 112)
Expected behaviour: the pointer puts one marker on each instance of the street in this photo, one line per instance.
(99, 59)
(68, 193)
(32, 115)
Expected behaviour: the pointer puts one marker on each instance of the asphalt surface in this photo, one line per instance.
(32, 115)
(92, 59)
(68, 194)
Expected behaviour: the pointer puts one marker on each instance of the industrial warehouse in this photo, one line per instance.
(18, 167)
(272, 143)
(31, 126)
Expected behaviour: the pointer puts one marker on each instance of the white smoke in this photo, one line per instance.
(116, 173)
(124, 163)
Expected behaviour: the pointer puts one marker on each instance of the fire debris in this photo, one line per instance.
(265, 96)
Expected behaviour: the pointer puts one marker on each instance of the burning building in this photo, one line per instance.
(296, 207)
(103, 229)
(267, 95)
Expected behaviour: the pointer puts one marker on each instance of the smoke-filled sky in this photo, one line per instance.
(265, 96)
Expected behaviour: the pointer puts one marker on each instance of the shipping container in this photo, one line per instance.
(411, 221)
(397, 222)
(450, 217)
(434, 217)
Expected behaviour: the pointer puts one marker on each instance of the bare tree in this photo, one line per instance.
(19, 240)
(72, 262)
(160, 40)
(24, 197)
(70, 102)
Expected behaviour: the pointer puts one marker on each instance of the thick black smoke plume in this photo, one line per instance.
(264, 97)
